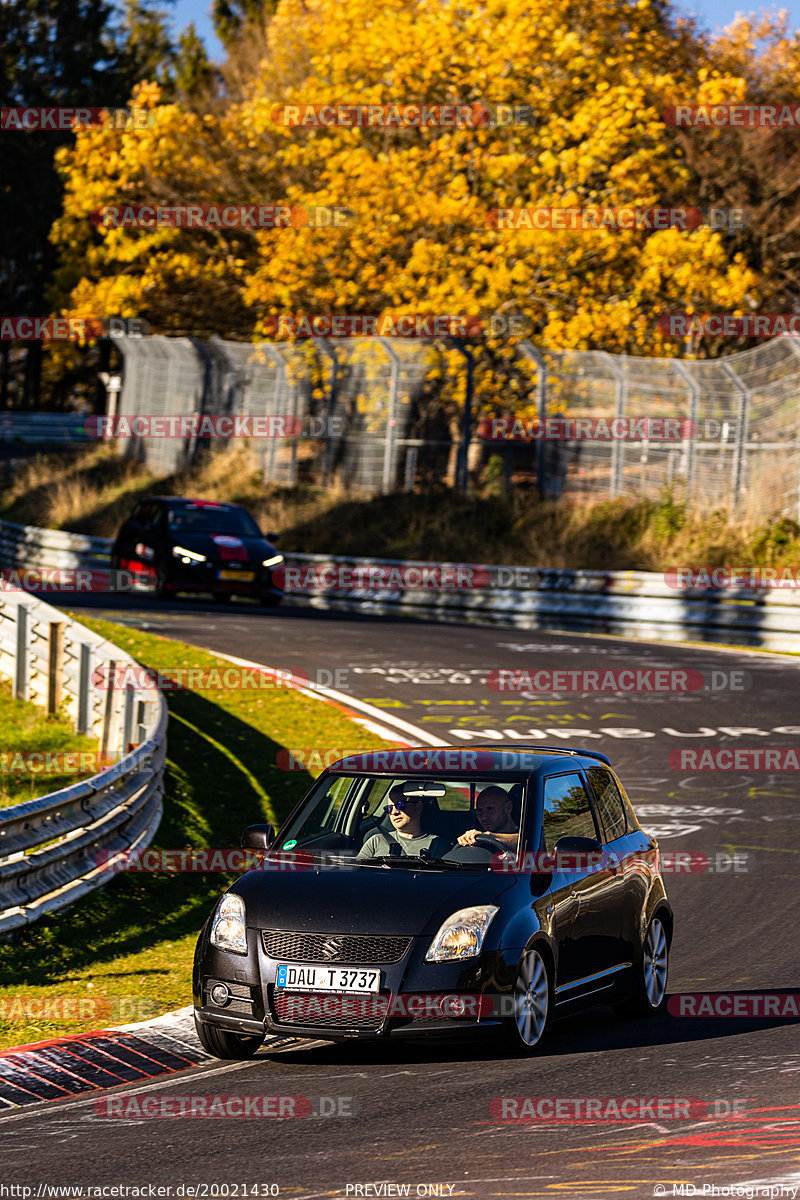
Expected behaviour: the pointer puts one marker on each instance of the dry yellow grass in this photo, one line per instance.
(94, 490)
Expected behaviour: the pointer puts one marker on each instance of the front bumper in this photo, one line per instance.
(204, 577)
(415, 998)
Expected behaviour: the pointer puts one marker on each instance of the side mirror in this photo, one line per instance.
(273, 537)
(258, 837)
(573, 845)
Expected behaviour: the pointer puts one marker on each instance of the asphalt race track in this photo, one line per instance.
(421, 1115)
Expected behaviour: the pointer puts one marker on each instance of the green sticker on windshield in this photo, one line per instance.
(288, 845)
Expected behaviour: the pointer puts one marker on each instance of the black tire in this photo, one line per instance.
(222, 597)
(114, 569)
(223, 1043)
(532, 1000)
(267, 600)
(650, 986)
(160, 589)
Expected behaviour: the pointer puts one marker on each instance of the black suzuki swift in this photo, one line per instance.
(419, 892)
(172, 544)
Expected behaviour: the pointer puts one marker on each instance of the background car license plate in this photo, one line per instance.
(296, 978)
(242, 576)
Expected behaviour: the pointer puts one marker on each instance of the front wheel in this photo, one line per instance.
(160, 587)
(651, 979)
(223, 1043)
(532, 1003)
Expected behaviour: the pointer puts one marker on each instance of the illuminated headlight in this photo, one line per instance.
(227, 930)
(187, 556)
(462, 934)
(272, 562)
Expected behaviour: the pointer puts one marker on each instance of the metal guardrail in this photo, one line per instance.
(49, 847)
(43, 428)
(631, 603)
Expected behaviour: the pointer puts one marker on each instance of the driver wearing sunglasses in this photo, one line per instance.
(406, 813)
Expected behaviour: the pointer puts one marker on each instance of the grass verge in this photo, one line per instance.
(25, 728)
(126, 953)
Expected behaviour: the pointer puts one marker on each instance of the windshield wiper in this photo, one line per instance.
(418, 861)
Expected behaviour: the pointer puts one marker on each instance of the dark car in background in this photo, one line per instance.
(174, 545)
(567, 910)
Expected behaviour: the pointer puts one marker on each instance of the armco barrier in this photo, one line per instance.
(632, 603)
(48, 846)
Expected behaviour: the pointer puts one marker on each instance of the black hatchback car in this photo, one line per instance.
(174, 545)
(366, 916)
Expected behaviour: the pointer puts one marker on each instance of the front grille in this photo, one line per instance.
(330, 1010)
(324, 947)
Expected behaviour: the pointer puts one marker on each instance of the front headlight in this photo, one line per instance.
(462, 934)
(228, 930)
(272, 562)
(187, 556)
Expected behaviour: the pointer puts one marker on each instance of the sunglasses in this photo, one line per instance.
(400, 804)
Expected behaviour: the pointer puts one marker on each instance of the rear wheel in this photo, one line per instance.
(224, 1043)
(114, 582)
(532, 1003)
(651, 979)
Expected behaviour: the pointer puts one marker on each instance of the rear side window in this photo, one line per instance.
(148, 514)
(567, 812)
(609, 802)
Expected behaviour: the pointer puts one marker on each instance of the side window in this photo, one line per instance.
(567, 812)
(149, 515)
(609, 802)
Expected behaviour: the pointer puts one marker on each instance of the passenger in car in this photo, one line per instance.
(406, 815)
(494, 809)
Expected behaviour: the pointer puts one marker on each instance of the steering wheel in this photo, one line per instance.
(492, 843)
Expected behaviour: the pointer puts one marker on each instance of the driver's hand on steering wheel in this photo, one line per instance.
(468, 838)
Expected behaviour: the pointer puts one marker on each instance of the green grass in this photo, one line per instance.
(25, 727)
(129, 947)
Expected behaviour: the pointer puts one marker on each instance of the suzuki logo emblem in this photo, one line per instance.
(331, 948)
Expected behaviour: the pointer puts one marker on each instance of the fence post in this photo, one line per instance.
(793, 346)
(108, 708)
(83, 722)
(694, 412)
(391, 420)
(534, 353)
(411, 469)
(55, 667)
(128, 714)
(333, 397)
(741, 431)
(141, 722)
(617, 446)
(462, 462)
(21, 659)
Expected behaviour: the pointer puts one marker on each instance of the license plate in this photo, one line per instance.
(241, 576)
(327, 979)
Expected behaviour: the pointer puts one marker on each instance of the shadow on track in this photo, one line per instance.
(590, 1032)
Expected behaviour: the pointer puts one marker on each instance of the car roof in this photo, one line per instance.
(500, 758)
(189, 500)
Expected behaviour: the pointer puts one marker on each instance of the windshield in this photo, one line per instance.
(209, 518)
(368, 817)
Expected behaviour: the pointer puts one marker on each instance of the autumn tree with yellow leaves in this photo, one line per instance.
(596, 79)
